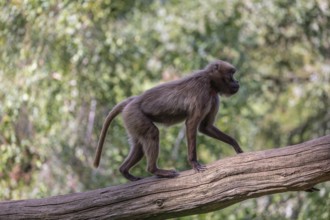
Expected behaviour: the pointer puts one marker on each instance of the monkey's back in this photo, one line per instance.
(172, 102)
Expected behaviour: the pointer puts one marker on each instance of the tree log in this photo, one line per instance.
(224, 183)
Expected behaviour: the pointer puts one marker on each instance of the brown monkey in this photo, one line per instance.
(193, 99)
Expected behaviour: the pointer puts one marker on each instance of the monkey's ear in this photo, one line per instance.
(216, 67)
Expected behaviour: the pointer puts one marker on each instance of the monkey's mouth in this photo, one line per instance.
(234, 89)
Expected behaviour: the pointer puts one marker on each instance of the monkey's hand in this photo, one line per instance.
(237, 148)
(197, 166)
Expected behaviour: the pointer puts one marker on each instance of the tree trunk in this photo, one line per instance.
(224, 183)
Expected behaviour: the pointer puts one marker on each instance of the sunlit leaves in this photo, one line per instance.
(57, 58)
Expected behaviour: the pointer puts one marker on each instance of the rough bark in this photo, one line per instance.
(224, 183)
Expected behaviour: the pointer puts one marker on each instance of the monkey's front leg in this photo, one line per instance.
(214, 132)
(191, 127)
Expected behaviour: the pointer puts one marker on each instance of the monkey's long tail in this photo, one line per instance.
(112, 114)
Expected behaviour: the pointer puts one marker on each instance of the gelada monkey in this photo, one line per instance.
(193, 99)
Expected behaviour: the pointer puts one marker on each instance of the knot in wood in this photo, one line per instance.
(160, 203)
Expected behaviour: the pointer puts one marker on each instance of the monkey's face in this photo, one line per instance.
(222, 78)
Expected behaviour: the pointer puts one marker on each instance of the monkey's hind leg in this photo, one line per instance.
(142, 129)
(151, 149)
(135, 155)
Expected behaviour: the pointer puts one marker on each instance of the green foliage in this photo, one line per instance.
(64, 64)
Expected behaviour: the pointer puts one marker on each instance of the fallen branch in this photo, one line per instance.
(224, 183)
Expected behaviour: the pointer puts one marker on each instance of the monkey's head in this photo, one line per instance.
(222, 78)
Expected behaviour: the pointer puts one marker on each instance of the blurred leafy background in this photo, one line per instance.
(64, 64)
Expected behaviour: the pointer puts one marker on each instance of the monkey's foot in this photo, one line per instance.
(165, 173)
(130, 177)
(198, 167)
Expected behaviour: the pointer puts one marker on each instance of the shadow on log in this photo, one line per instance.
(224, 183)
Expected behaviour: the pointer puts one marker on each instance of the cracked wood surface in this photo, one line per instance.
(224, 183)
